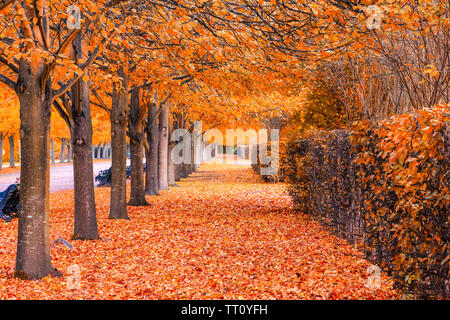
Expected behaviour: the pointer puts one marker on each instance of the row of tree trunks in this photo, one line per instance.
(66, 145)
(160, 170)
(101, 151)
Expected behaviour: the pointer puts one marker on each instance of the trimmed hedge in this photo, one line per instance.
(385, 187)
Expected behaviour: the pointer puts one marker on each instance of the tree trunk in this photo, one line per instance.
(63, 150)
(151, 186)
(137, 197)
(1, 151)
(52, 151)
(198, 151)
(12, 160)
(163, 148)
(69, 151)
(196, 145)
(119, 119)
(170, 164)
(85, 226)
(171, 168)
(33, 247)
(102, 151)
(178, 174)
(192, 164)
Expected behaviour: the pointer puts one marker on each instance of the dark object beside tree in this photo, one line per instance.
(104, 177)
(9, 202)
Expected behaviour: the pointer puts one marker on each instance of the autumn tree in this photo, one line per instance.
(31, 58)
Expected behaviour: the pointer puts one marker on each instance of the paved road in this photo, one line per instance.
(61, 176)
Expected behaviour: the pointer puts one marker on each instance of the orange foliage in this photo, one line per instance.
(385, 187)
(404, 168)
(222, 235)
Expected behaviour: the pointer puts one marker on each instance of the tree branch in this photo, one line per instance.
(7, 81)
(83, 68)
(11, 66)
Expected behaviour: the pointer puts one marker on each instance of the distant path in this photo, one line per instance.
(61, 175)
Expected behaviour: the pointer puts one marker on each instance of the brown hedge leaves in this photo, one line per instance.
(404, 175)
(385, 187)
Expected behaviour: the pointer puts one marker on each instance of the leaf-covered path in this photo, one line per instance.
(223, 234)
